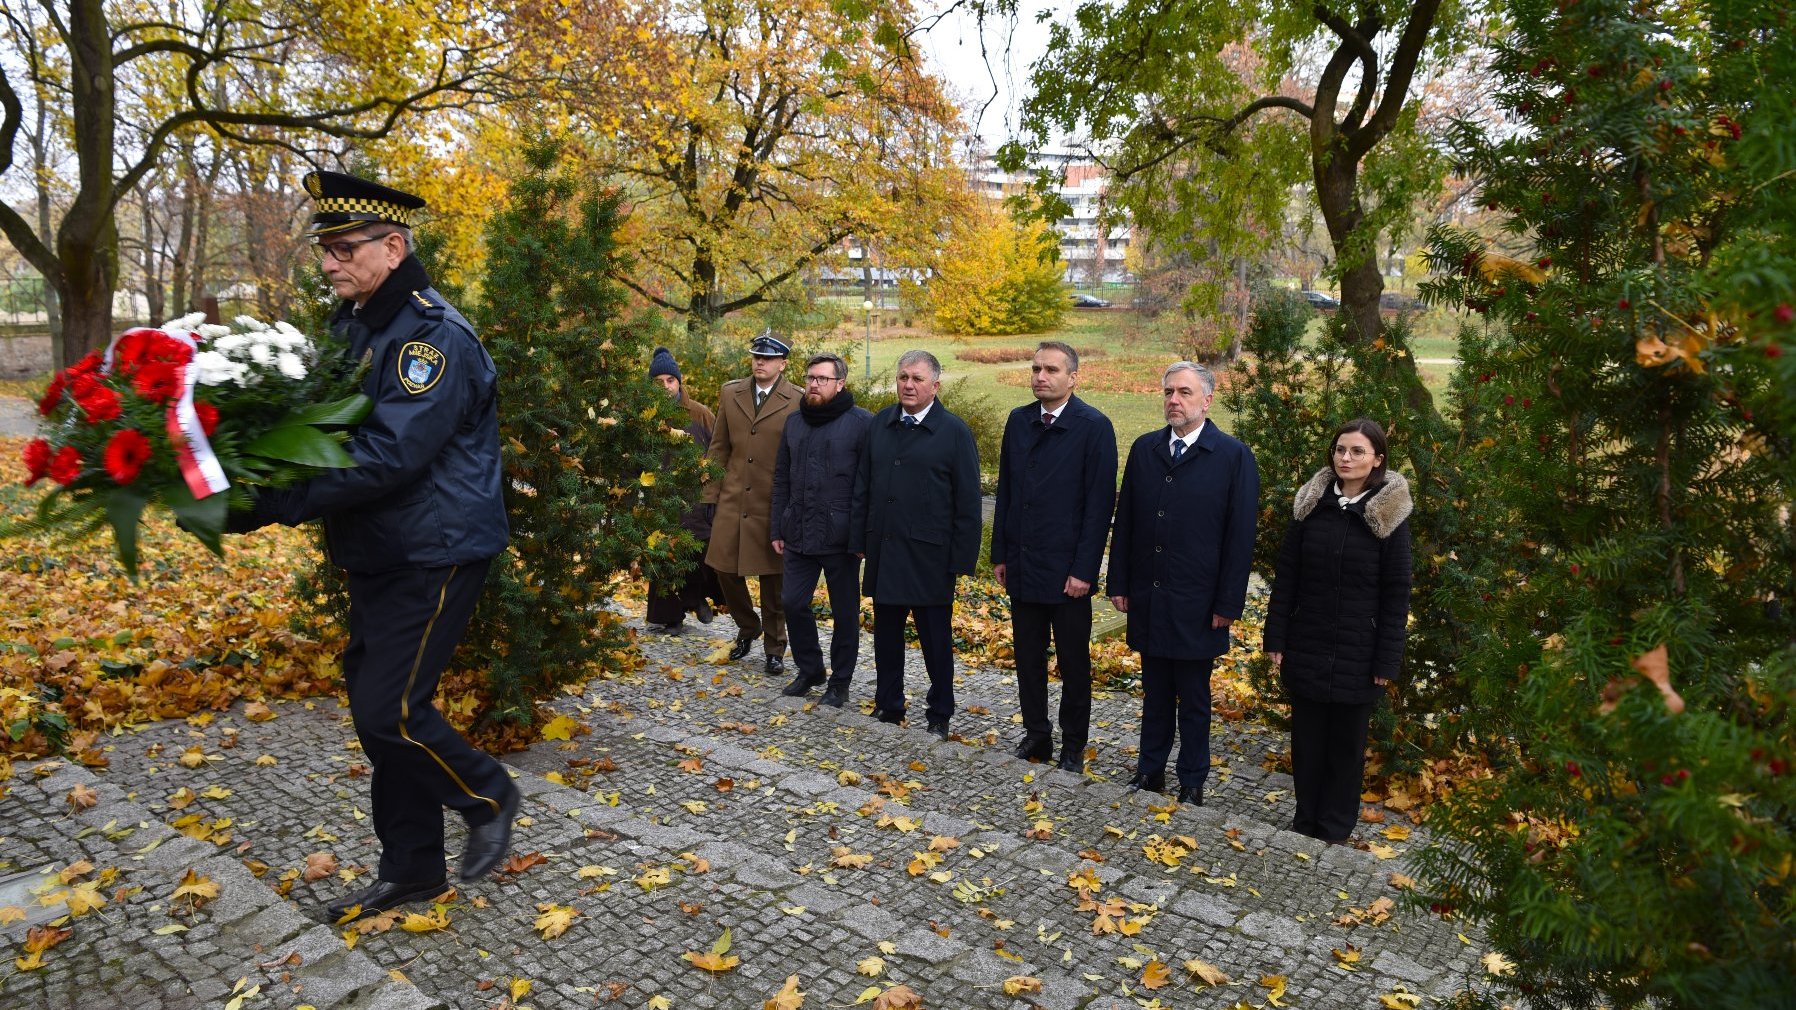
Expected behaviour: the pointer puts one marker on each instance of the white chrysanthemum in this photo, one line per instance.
(212, 331)
(288, 328)
(290, 365)
(230, 342)
(186, 322)
(261, 353)
(216, 370)
(249, 323)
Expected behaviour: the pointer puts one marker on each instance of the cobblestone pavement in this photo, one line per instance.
(692, 799)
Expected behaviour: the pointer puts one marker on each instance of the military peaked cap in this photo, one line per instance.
(345, 202)
(769, 346)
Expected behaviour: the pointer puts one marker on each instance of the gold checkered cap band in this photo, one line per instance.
(370, 210)
(344, 202)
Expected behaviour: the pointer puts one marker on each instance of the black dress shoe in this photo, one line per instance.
(834, 697)
(1073, 762)
(703, 612)
(887, 715)
(1035, 748)
(1152, 783)
(741, 648)
(1193, 795)
(381, 896)
(489, 842)
(776, 665)
(939, 730)
(801, 685)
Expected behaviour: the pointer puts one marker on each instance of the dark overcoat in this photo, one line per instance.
(745, 445)
(1340, 598)
(425, 489)
(916, 507)
(813, 481)
(1182, 544)
(1056, 492)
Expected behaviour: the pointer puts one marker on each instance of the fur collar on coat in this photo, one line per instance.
(1386, 508)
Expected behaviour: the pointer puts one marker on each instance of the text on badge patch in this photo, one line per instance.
(420, 366)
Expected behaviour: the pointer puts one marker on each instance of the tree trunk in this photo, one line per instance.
(153, 291)
(87, 242)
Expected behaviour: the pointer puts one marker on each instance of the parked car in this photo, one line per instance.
(1089, 302)
(1318, 300)
(1392, 300)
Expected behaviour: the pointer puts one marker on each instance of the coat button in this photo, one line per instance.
(1156, 584)
(1169, 478)
(1157, 548)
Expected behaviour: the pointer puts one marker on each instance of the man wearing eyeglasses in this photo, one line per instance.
(813, 488)
(415, 524)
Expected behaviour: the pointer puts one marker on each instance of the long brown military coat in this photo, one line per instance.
(745, 445)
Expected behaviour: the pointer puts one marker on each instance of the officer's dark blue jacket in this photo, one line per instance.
(426, 488)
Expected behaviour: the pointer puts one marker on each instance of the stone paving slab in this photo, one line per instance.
(713, 771)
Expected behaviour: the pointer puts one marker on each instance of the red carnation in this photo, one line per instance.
(82, 385)
(37, 460)
(89, 363)
(65, 466)
(52, 395)
(101, 405)
(129, 349)
(157, 381)
(208, 415)
(126, 453)
(162, 347)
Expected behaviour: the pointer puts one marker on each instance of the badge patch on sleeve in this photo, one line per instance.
(420, 366)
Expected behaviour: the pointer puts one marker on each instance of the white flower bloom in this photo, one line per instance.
(215, 369)
(261, 354)
(212, 331)
(249, 323)
(288, 328)
(186, 322)
(290, 365)
(230, 342)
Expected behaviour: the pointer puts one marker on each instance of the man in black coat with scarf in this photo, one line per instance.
(1056, 489)
(1179, 557)
(813, 490)
(916, 520)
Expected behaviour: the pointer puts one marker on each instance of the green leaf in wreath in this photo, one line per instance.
(339, 413)
(299, 443)
(124, 509)
(202, 517)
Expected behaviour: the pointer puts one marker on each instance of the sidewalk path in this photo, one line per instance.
(700, 800)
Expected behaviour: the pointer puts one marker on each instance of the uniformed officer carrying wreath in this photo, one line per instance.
(415, 525)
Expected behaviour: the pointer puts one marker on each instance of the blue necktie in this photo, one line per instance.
(1178, 449)
(909, 421)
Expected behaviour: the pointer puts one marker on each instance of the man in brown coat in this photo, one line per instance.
(751, 414)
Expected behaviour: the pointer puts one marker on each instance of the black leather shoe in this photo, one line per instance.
(380, 896)
(776, 665)
(703, 612)
(1035, 748)
(1193, 795)
(801, 685)
(887, 715)
(1073, 762)
(834, 697)
(489, 842)
(741, 648)
(1151, 783)
(939, 730)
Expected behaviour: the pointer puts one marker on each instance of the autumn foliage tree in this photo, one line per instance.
(1627, 412)
(998, 275)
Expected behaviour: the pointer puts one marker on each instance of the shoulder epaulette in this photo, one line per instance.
(424, 304)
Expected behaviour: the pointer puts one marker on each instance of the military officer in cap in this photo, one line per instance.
(751, 414)
(415, 525)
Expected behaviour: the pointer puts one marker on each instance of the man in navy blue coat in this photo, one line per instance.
(1056, 489)
(1179, 558)
(916, 520)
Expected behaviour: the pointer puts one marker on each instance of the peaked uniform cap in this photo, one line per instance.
(345, 203)
(769, 346)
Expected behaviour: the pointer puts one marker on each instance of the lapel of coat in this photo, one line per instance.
(745, 398)
(782, 391)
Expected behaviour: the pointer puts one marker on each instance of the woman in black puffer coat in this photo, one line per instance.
(1337, 619)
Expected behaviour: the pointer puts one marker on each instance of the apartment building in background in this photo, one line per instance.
(1091, 253)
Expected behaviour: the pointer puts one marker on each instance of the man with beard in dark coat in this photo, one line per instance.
(813, 489)
(1179, 558)
(1056, 489)
(916, 520)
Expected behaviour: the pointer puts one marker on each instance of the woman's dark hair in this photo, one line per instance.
(1374, 434)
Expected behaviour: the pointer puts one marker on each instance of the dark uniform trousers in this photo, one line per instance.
(1175, 692)
(404, 625)
(1328, 761)
(842, 573)
(772, 630)
(1070, 625)
(935, 637)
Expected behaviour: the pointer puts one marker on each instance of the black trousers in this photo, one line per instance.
(1328, 762)
(935, 636)
(770, 625)
(671, 599)
(403, 627)
(1069, 623)
(1175, 692)
(842, 573)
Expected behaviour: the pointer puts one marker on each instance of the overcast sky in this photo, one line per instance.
(997, 79)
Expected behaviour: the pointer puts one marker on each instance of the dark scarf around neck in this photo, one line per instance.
(826, 412)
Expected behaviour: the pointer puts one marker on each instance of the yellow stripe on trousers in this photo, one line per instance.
(405, 700)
